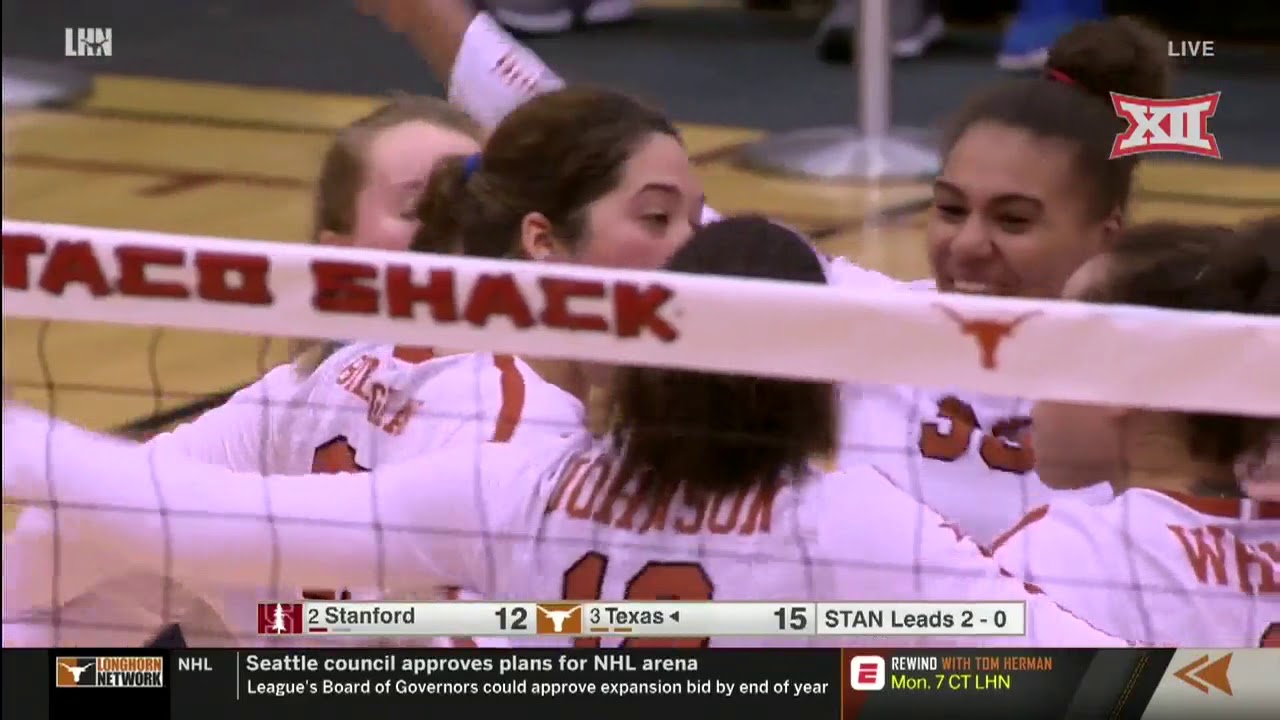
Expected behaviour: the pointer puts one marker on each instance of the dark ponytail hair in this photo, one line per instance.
(1207, 268)
(715, 433)
(438, 211)
(1072, 101)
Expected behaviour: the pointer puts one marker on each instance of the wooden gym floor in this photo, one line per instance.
(221, 160)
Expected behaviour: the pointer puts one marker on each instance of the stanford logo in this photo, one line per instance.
(1180, 125)
(988, 333)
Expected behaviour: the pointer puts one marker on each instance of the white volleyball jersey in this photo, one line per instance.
(526, 522)
(369, 404)
(965, 454)
(365, 406)
(967, 460)
(1158, 568)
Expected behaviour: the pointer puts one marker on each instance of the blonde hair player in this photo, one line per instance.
(370, 179)
(698, 509)
(1027, 193)
(1182, 557)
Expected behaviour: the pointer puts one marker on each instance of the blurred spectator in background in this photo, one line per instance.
(553, 17)
(917, 24)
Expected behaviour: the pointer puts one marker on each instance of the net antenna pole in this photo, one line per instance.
(874, 151)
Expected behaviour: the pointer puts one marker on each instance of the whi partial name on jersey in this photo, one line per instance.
(1158, 568)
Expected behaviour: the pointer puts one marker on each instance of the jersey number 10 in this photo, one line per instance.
(584, 580)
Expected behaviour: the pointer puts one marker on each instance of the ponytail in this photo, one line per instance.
(442, 209)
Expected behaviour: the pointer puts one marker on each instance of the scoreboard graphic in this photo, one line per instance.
(642, 619)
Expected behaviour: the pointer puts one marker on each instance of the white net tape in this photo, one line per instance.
(1130, 357)
(1084, 353)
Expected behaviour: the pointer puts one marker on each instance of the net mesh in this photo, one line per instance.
(166, 320)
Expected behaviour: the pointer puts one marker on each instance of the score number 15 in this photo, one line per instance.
(792, 618)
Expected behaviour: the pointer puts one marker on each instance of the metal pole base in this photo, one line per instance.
(840, 153)
(29, 84)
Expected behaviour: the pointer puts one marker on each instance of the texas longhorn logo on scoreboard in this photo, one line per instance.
(280, 619)
(559, 619)
(108, 672)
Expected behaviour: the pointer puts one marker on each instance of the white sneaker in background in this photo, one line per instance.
(553, 17)
(533, 17)
(608, 12)
(917, 42)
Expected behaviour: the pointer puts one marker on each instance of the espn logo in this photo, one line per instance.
(866, 672)
(108, 672)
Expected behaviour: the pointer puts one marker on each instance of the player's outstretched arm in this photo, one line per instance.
(418, 524)
(240, 434)
(882, 544)
(488, 72)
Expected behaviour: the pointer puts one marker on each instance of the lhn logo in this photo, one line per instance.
(88, 42)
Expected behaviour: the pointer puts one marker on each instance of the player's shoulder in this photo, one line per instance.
(523, 476)
(510, 381)
(855, 500)
(276, 385)
(1088, 536)
(335, 360)
(842, 272)
(1063, 518)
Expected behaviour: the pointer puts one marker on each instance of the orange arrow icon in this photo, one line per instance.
(1202, 674)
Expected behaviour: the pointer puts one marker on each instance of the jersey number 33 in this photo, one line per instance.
(1005, 446)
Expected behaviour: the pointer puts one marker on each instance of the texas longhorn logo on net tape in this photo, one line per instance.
(1174, 125)
(110, 671)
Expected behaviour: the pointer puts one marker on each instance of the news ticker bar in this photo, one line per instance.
(643, 619)
(863, 683)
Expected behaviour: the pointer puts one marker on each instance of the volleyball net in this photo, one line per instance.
(255, 295)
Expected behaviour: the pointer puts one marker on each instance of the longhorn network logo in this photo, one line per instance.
(88, 42)
(108, 672)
